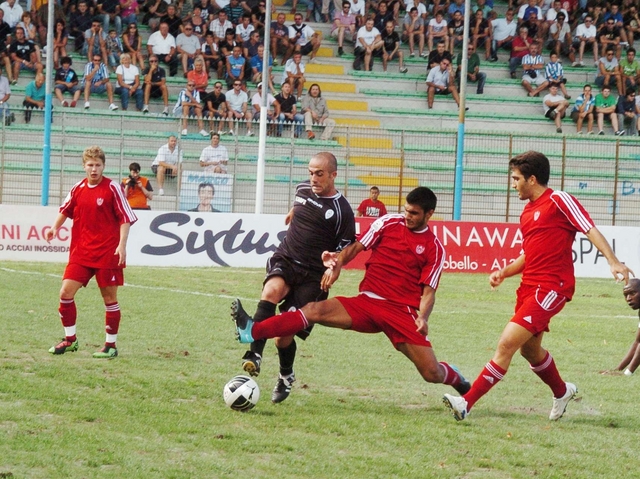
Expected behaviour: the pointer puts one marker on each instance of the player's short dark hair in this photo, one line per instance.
(631, 49)
(202, 186)
(374, 188)
(66, 60)
(532, 163)
(134, 167)
(423, 197)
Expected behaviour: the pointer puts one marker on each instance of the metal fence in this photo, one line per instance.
(603, 172)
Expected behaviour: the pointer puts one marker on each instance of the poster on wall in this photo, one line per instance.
(203, 191)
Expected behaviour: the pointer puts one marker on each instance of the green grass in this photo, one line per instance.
(358, 410)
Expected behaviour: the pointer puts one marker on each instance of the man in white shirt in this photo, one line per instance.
(555, 106)
(163, 45)
(215, 158)
(586, 34)
(256, 104)
(167, 161)
(359, 10)
(237, 100)
(294, 73)
(12, 12)
(503, 31)
(440, 82)
(368, 43)
(302, 38)
(220, 25)
(188, 45)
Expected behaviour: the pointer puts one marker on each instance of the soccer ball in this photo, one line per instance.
(241, 393)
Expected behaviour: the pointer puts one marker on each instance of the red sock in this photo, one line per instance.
(489, 377)
(547, 371)
(68, 314)
(451, 377)
(112, 323)
(285, 324)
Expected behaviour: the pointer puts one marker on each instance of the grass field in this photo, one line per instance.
(358, 409)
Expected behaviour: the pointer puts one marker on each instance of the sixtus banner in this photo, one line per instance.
(247, 240)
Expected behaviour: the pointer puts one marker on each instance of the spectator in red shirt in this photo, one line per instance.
(371, 207)
(519, 48)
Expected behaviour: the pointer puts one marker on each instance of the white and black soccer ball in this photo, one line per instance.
(241, 393)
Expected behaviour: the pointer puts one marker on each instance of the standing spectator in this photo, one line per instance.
(630, 70)
(368, 44)
(294, 73)
(101, 221)
(79, 23)
(189, 105)
(631, 360)
(584, 108)
(474, 75)
(586, 33)
(555, 106)
(220, 25)
(372, 207)
(257, 68)
(391, 48)
(235, 66)
(66, 80)
(96, 80)
(155, 85)
(606, 106)
(343, 22)
(23, 55)
(95, 41)
(315, 111)
(412, 30)
(279, 38)
(163, 45)
(128, 83)
(187, 46)
(214, 158)
(210, 51)
(34, 96)
(533, 71)
(109, 12)
(132, 44)
(519, 49)
(137, 189)
(12, 12)
(555, 73)
(287, 111)
(627, 114)
(237, 100)
(503, 32)
(215, 104)
(168, 161)
(5, 94)
(438, 31)
(440, 82)
(608, 70)
(302, 38)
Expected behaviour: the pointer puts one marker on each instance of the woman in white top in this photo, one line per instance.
(128, 82)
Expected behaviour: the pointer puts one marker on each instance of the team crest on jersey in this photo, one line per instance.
(328, 214)
(99, 201)
(536, 215)
(419, 249)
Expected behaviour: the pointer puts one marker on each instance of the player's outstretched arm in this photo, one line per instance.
(619, 270)
(334, 264)
(497, 277)
(427, 300)
(51, 232)
(289, 217)
(121, 250)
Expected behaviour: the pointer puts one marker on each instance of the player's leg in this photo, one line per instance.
(68, 316)
(108, 281)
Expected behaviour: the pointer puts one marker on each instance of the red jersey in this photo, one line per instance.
(97, 213)
(549, 227)
(373, 209)
(402, 261)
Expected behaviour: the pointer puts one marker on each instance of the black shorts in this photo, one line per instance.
(304, 284)
(155, 91)
(306, 49)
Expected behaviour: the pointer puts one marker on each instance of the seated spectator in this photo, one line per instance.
(372, 207)
(114, 48)
(244, 29)
(456, 6)
(526, 9)
(96, 80)
(216, 107)
(129, 10)
(368, 44)
(555, 73)
(584, 108)
(302, 38)
(456, 31)
(485, 6)
(163, 45)
(167, 161)
(358, 9)
(627, 113)
(187, 46)
(250, 49)
(632, 24)
(440, 82)
(279, 35)
(613, 13)
(95, 41)
(128, 83)
(220, 25)
(173, 20)
(199, 76)
(287, 111)
(503, 32)
(5, 94)
(606, 107)
(519, 49)
(384, 15)
(559, 40)
(344, 22)
(235, 12)
(206, 191)
(12, 12)
(630, 71)
(79, 23)
(235, 67)
(437, 55)
(214, 158)
(259, 16)
(34, 96)
(132, 44)
(237, 101)
(533, 71)
(474, 75)
(226, 46)
(211, 54)
(586, 34)
(23, 55)
(60, 39)
(412, 30)
(156, 11)
(137, 189)
(257, 68)
(189, 105)
(479, 32)
(610, 37)
(66, 80)
(315, 111)
(30, 30)
(438, 31)
(555, 106)
(391, 48)
(609, 71)
(155, 85)
(256, 104)
(199, 25)
(109, 12)
(294, 73)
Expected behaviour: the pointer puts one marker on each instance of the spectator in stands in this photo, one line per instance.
(95, 41)
(237, 101)
(358, 8)
(551, 15)
(279, 35)
(586, 34)
(519, 49)
(303, 38)
(23, 55)
(315, 111)
(155, 85)
(294, 73)
(163, 45)
(533, 26)
(437, 55)
(245, 29)
(259, 16)
(187, 46)
(256, 106)
(613, 13)
(12, 12)
(326, 4)
(456, 30)
(250, 48)
(79, 22)
(440, 82)
(627, 113)
(214, 158)
(606, 107)
(173, 20)
(66, 80)
(220, 25)
(437, 30)
(128, 83)
(344, 22)
(189, 105)
(109, 12)
(132, 44)
(559, 40)
(168, 161)
(503, 32)
(483, 5)
(533, 71)
(412, 30)
(129, 10)
(555, 106)
(287, 111)
(526, 9)
(114, 49)
(216, 107)
(383, 15)
(368, 44)
(211, 54)
(5, 94)
(480, 32)
(630, 71)
(235, 66)
(206, 191)
(257, 68)
(391, 48)
(34, 96)
(235, 12)
(372, 207)
(474, 75)
(137, 189)
(210, 8)
(96, 80)
(455, 6)
(584, 108)
(156, 12)
(555, 73)
(60, 39)
(632, 24)
(226, 46)
(199, 25)
(610, 37)
(609, 70)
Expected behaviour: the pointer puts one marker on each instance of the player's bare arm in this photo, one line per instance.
(289, 217)
(332, 273)
(121, 250)
(497, 277)
(619, 270)
(51, 233)
(427, 300)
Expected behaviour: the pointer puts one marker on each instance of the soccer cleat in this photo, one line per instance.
(251, 363)
(560, 404)
(64, 346)
(243, 321)
(282, 389)
(106, 353)
(458, 406)
(463, 386)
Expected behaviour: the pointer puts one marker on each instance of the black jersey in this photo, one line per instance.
(318, 224)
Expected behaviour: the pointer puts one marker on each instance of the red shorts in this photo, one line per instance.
(535, 307)
(104, 277)
(370, 315)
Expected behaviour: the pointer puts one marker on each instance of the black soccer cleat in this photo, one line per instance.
(463, 386)
(251, 363)
(282, 389)
(243, 321)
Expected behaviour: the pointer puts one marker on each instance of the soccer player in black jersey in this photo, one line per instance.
(320, 219)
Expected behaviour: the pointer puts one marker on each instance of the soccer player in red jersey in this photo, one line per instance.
(101, 221)
(372, 207)
(549, 223)
(396, 296)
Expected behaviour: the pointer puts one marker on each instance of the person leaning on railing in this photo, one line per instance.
(315, 110)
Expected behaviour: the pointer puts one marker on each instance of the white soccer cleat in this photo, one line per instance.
(457, 404)
(560, 404)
